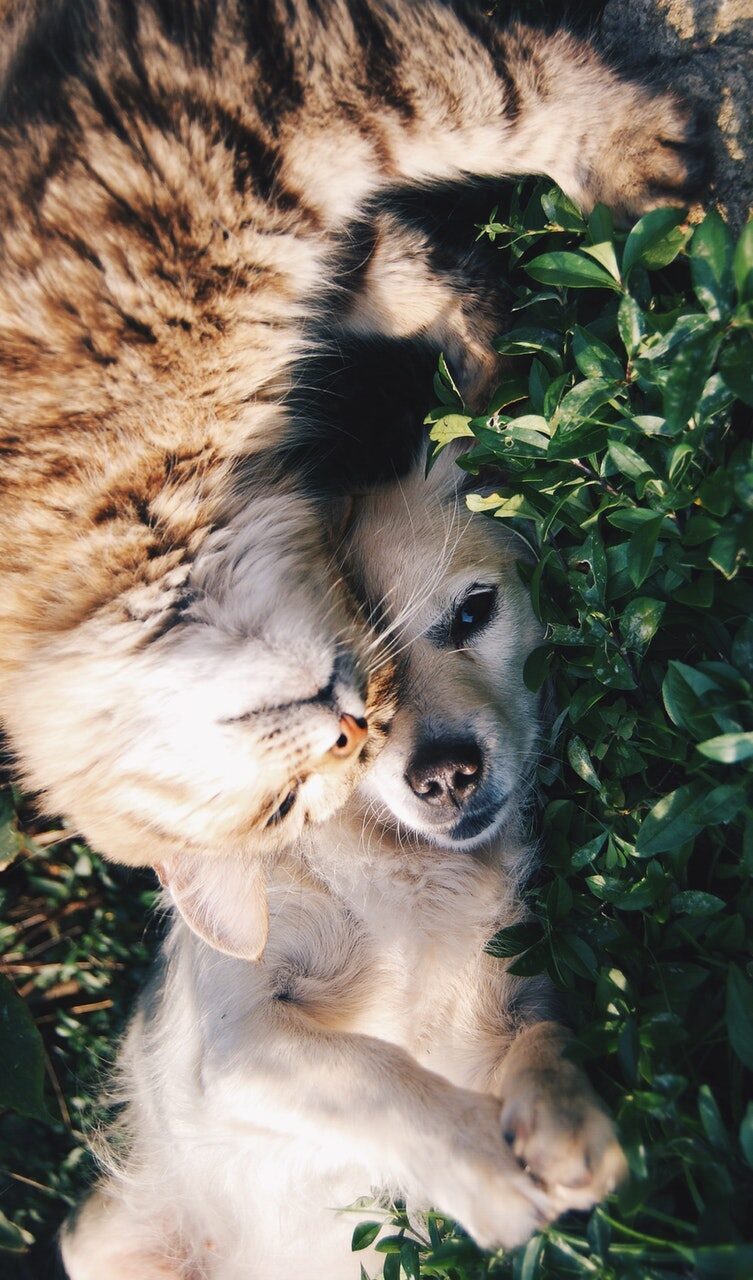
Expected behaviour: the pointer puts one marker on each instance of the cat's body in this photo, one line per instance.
(376, 1045)
(180, 176)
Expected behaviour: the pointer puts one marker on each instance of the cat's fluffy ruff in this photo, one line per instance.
(376, 1044)
(176, 177)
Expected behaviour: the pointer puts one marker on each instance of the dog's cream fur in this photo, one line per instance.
(376, 1044)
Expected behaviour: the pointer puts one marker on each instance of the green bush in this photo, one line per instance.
(75, 941)
(620, 439)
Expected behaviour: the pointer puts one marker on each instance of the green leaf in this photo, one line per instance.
(451, 427)
(13, 1239)
(564, 1251)
(448, 380)
(736, 365)
(711, 266)
(605, 254)
(711, 1119)
(601, 224)
(536, 667)
(11, 840)
(694, 902)
(728, 748)
(631, 324)
(742, 264)
(514, 940)
(365, 1234)
(583, 400)
(740, 1014)
(410, 1259)
(611, 669)
(742, 649)
(391, 1268)
(22, 1057)
(627, 461)
(587, 852)
(746, 1134)
(571, 270)
(599, 1234)
(686, 698)
(560, 210)
(527, 1260)
(640, 622)
(528, 340)
(655, 240)
(732, 543)
(686, 379)
(594, 358)
(679, 816)
(580, 760)
(641, 549)
(628, 897)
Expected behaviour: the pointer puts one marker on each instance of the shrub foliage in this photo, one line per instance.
(619, 443)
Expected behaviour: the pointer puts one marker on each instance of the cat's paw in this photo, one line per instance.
(562, 1137)
(654, 152)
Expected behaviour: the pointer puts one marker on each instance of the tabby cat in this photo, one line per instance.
(193, 204)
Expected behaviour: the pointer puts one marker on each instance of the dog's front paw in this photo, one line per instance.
(562, 1136)
(477, 1181)
(655, 152)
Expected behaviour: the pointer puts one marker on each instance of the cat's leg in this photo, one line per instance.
(439, 95)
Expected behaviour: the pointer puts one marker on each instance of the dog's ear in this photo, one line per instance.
(222, 899)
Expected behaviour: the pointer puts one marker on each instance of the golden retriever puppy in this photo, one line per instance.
(375, 1046)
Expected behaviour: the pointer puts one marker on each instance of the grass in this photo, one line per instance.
(75, 939)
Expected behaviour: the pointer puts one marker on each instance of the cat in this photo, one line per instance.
(375, 1044)
(181, 667)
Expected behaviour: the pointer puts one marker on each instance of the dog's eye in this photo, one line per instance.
(472, 614)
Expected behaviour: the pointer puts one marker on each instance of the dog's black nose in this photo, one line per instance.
(445, 771)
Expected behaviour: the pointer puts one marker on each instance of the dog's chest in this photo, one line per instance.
(421, 982)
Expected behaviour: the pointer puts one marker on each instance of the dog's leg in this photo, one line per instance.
(442, 1144)
(553, 1121)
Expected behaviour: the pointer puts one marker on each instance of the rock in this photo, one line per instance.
(705, 49)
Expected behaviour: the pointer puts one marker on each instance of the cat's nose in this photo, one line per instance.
(354, 731)
(445, 773)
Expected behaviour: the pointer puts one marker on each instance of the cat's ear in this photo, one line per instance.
(222, 899)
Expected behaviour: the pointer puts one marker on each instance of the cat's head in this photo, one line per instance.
(220, 710)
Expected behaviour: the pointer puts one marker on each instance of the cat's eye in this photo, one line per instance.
(284, 809)
(472, 614)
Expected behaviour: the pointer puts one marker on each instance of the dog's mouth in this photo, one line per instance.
(480, 824)
(470, 830)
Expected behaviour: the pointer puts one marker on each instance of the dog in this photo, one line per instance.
(375, 1045)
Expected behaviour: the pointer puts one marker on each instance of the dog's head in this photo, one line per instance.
(443, 587)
